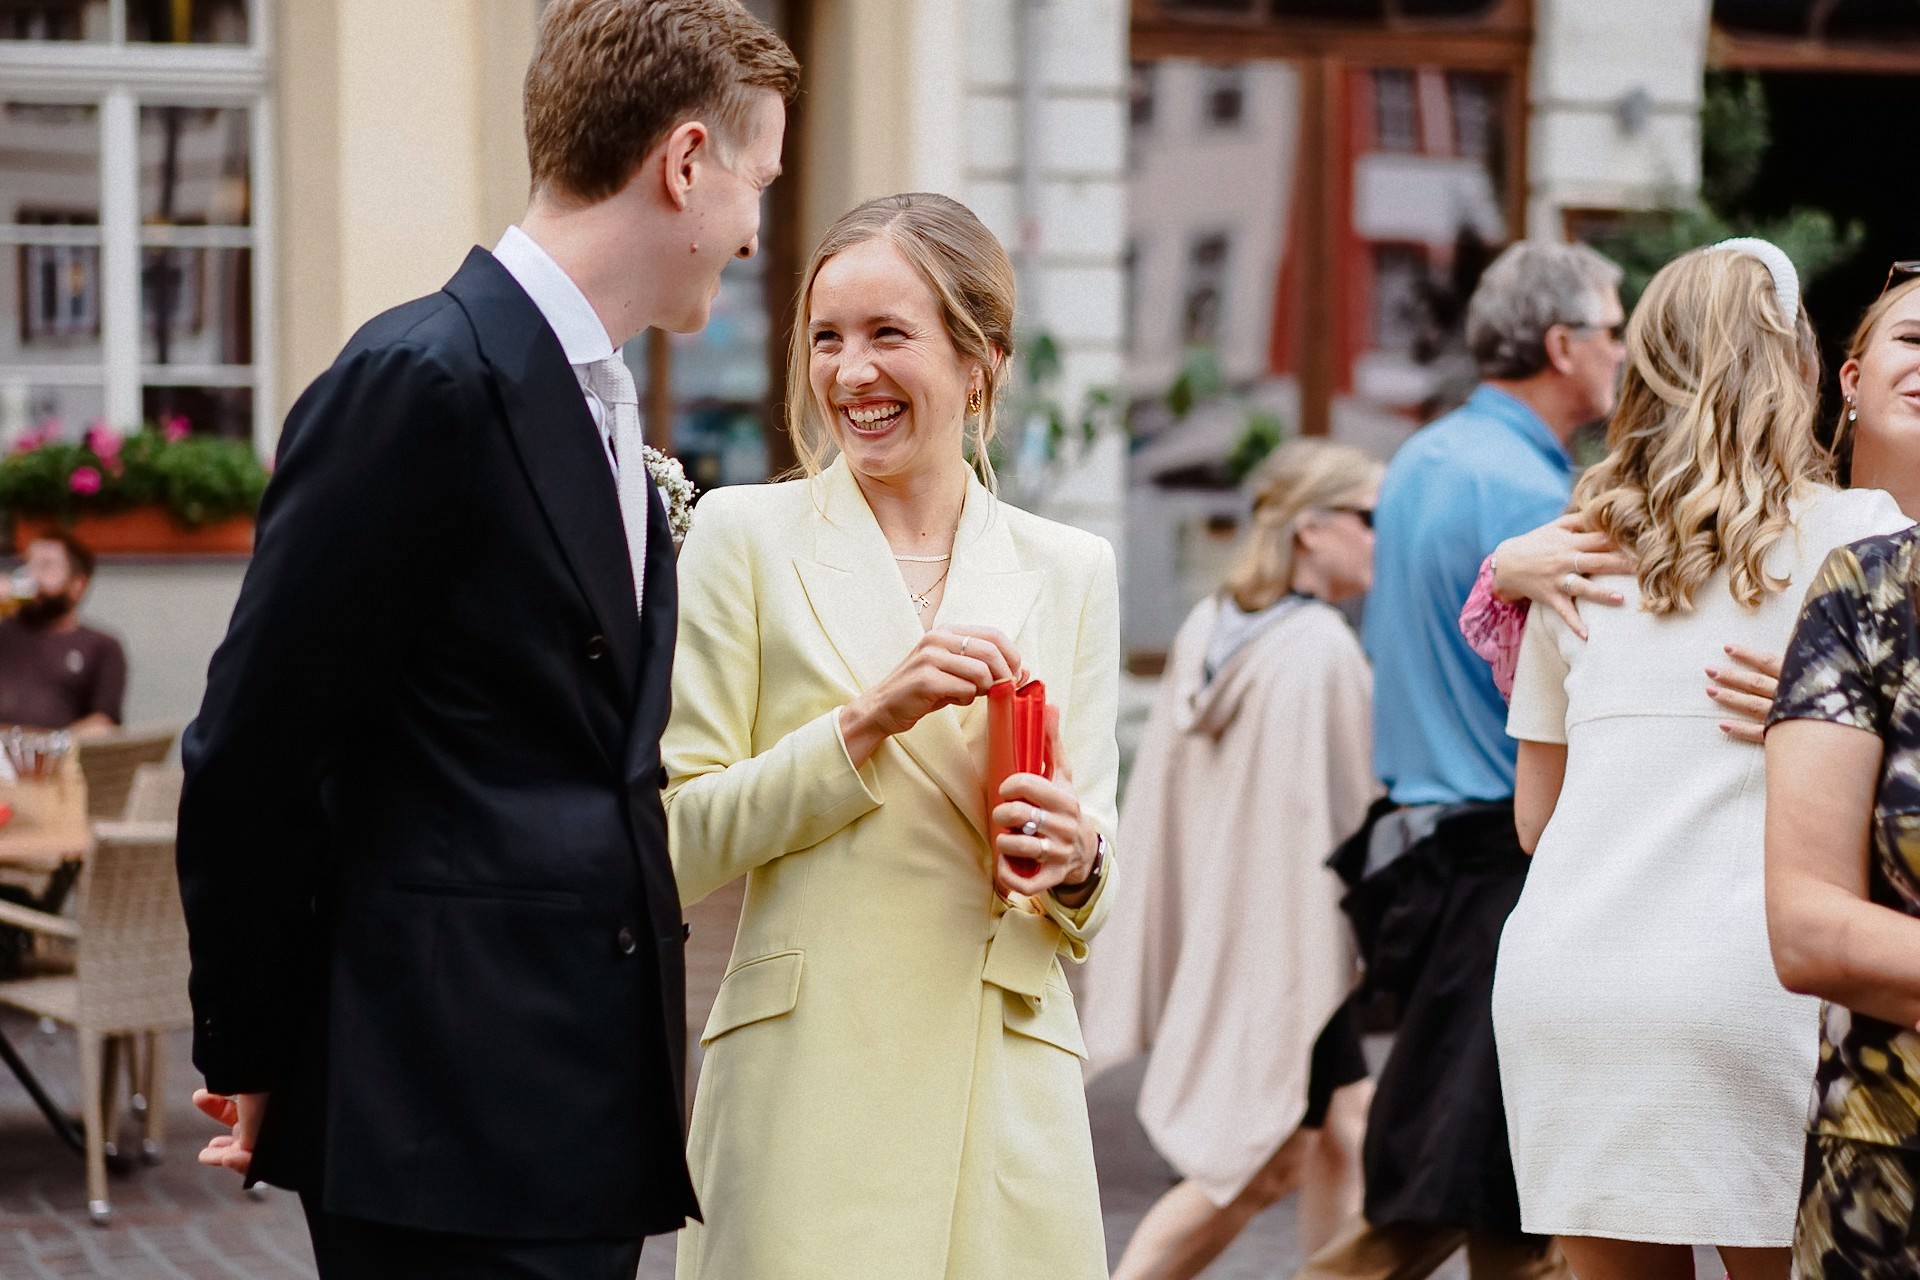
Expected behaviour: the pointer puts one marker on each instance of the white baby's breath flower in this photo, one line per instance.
(675, 489)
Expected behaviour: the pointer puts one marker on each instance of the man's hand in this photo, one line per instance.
(241, 1113)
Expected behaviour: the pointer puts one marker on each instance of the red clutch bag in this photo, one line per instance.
(1016, 743)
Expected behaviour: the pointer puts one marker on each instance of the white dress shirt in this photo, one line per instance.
(567, 312)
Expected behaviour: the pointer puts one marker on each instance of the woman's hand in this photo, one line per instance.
(1551, 565)
(948, 667)
(1061, 849)
(1746, 694)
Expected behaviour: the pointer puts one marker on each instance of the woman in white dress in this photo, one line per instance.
(1227, 954)
(1654, 1070)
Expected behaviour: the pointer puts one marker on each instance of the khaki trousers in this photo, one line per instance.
(1410, 1251)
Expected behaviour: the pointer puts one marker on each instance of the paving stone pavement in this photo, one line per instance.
(177, 1221)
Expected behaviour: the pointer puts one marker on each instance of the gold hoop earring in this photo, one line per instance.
(974, 401)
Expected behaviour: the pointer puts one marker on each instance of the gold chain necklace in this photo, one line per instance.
(922, 599)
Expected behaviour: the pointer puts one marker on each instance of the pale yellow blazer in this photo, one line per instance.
(891, 1084)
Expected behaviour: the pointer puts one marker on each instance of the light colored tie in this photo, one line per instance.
(612, 382)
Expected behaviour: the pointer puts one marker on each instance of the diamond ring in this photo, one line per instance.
(1031, 827)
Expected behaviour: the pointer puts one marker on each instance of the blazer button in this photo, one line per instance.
(596, 648)
(625, 940)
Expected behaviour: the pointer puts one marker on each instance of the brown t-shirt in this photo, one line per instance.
(49, 679)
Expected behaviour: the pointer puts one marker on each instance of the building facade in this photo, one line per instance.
(200, 200)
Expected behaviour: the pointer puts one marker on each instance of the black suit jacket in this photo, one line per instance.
(422, 848)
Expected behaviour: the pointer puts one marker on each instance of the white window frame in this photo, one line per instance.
(118, 79)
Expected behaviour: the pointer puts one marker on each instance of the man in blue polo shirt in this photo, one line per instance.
(1544, 328)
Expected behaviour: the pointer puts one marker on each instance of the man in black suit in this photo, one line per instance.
(437, 948)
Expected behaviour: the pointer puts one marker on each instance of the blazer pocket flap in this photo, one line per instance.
(754, 990)
(1051, 1018)
(1020, 955)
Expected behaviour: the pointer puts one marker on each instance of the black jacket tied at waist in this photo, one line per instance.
(1429, 923)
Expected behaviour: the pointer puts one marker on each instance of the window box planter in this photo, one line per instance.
(143, 531)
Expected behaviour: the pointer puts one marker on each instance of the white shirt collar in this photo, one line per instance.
(565, 308)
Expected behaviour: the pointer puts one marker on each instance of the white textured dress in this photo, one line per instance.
(1655, 1072)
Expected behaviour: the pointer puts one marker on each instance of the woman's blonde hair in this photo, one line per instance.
(1870, 319)
(1298, 477)
(970, 277)
(1713, 433)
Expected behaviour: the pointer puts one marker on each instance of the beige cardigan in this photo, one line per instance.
(1227, 951)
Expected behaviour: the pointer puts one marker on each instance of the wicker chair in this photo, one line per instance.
(109, 762)
(130, 978)
(154, 795)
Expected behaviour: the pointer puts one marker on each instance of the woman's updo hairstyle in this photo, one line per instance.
(970, 276)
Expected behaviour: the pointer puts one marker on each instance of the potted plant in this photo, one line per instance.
(159, 489)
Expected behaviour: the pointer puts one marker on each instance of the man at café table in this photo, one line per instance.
(437, 945)
(54, 672)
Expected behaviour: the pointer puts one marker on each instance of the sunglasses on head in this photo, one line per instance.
(1900, 272)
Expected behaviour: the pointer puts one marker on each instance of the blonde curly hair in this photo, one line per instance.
(1713, 435)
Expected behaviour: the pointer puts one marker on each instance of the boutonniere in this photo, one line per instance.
(675, 489)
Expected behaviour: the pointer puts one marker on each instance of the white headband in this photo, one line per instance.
(1786, 281)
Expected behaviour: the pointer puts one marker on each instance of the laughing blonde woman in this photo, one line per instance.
(892, 1084)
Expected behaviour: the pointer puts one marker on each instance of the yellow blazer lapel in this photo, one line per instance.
(851, 582)
(986, 587)
(860, 602)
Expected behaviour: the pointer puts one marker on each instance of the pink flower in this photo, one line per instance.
(175, 428)
(104, 441)
(28, 442)
(84, 480)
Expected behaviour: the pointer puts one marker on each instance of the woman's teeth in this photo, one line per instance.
(873, 419)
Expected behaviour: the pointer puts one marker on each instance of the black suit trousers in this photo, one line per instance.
(355, 1249)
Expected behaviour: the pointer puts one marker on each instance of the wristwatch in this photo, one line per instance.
(1099, 861)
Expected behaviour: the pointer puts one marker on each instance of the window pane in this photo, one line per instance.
(1226, 96)
(1846, 20)
(1396, 121)
(52, 296)
(194, 168)
(219, 411)
(28, 406)
(196, 306)
(188, 22)
(53, 19)
(727, 360)
(50, 174)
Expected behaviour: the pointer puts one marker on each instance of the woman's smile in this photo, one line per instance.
(872, 418)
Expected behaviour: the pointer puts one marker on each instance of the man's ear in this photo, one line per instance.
(1559, 348)
(688, 147)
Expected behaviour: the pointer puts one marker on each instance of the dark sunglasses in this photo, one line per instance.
(1900, 272)
(1364, 513)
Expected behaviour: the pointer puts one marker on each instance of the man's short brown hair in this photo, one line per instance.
(611, 78)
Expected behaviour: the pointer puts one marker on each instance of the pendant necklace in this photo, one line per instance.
(922, 599)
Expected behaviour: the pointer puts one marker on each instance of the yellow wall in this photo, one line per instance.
(885, 101)
(400, 148)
